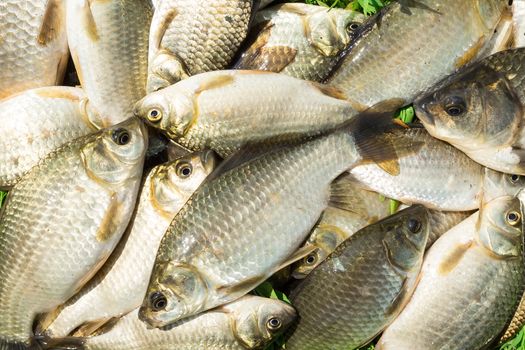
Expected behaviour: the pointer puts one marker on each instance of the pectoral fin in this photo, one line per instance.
(53, 22)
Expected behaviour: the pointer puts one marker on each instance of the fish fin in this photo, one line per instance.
(330, 91)
(44, 342)
(407, 4)
(106, 327)
(242, 286)
(454, 257)
(88, 328)
(8, 345)
(398, 300)
(377, 143)
(88, 20)
(215, 82)
(61, 69)
(43, 321)
(273, 59)
(52, 22)
(292, 8)
(163, 26)
(298, 255)
(343, 195)
(57, 93)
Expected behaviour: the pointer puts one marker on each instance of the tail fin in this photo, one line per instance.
(8, 345)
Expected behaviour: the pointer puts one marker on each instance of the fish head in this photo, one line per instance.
(171, 110)
(330, 31)
(476, 107)
(406, 236)
(174, 182)
(500, 227)
(117, 153)
(259, 320)
(326, 239)
(497, 184)
(175, 291)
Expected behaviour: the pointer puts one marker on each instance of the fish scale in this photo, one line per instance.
(244, 246)
(30, 63)
(60, 222)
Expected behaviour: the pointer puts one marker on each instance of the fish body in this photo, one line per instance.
(224, 110)
(120, 285)
(438, 176)
(375, 67)
(480, 110)
(470, 285)
(362, 286)
(190, 37)
(299, 40)
(108, 41)
(228, 238)
(248, 323)
(33, 45)
(62, 220)
(37, 121)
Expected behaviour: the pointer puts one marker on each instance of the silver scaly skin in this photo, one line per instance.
(299, 40)
(194, 36)
(120, 285)
(471, 282)
(33, 44)
(248, 323)
(362, 286)
(37, 121)
(224, 110)
(108, 41)
(62, 220)
(439, 36)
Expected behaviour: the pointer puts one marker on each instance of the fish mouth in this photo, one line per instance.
(422, 112)
(143, 316)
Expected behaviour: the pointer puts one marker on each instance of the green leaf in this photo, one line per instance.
(406, 114)
(516, 343)
(3, 196)
(394, 206)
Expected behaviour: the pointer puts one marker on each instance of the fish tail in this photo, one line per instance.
(44, 342)
(10, 345)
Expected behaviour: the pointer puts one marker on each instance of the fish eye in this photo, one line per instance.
(184, 170)
(158, 301)
(154, 115)
(274, 323)
(121, 136)
(352, 27)
(414, 225)
(310, 259)
(513, 218)
(455, 106)
(514, 178)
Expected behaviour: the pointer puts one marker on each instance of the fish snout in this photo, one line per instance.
(422, 109)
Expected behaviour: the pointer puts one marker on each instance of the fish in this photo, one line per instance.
(120, 285)
(412, 44)
(351, 208)
(471, 282)
(438, 176)
(62, 220)
(299, 40)
(229, 237)
(518, 15)
(189, 37)
(250, 322)
(442, 221)
(362, 286)
(480, 111)
(33, 45)
(35, 122)
(108, 41)
(225, 110)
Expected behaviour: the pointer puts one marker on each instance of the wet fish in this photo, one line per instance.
(120, 285)
(223, 243)
(439, 36)
(517, 323)
(62, 220)
(362, 286)
(108, 41)
(351, 208)
(33, 45)
(480, 111)
(226, 109)
(470, 284)
(37, 121)
(299, 40)
(438, 176)
(248, 323)
(190, 37)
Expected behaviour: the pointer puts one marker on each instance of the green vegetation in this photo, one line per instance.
(517, 343)
(3, 195)
(368, 7)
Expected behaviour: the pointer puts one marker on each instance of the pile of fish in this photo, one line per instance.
(164, 158)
